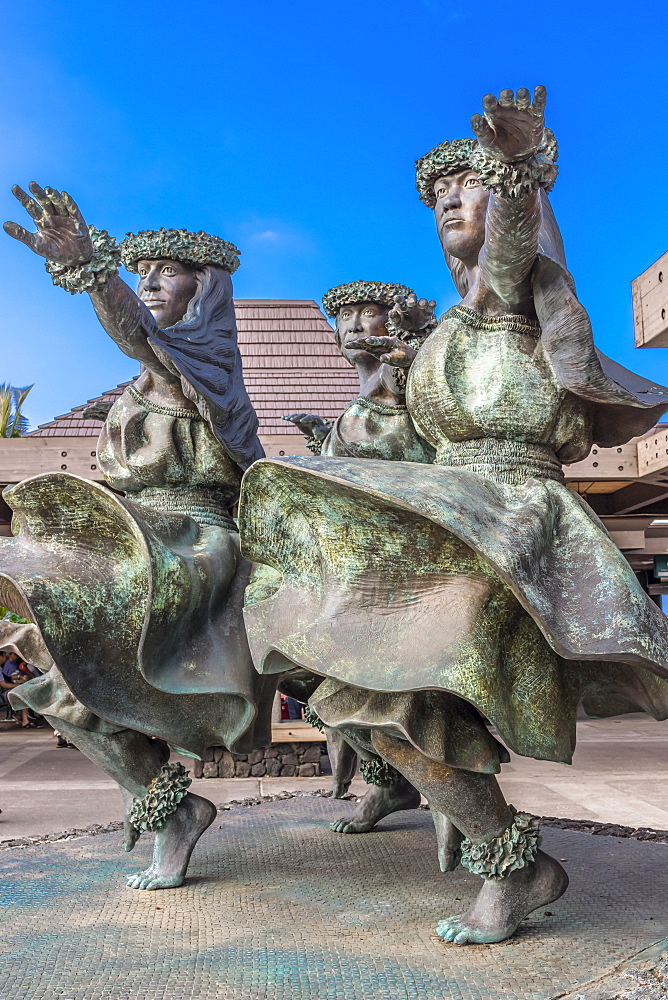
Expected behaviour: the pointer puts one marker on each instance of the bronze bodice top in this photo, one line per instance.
(479, 378)
(155, 441)
(369, 429)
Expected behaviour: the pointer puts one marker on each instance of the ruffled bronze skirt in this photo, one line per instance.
(433, 598)
(140, 609)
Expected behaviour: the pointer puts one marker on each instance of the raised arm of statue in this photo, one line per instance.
(81, 258)
(514, 159)
(128, 322)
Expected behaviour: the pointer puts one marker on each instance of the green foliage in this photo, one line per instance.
(13, 423)
(9, 616)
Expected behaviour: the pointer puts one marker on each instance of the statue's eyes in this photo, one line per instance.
(472, 182)
(169, 271)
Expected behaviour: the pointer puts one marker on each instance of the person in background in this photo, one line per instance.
(9, 679)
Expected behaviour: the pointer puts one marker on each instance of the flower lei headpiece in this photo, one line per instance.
(510, 179)
(178, 244)
(361, 291)
(446, 158)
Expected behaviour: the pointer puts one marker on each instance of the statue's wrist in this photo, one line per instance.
(86, 277)
(512, 179)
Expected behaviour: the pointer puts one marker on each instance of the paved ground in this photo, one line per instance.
(620, 775)
(279, 908)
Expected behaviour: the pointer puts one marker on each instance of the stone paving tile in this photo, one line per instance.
(277, 907)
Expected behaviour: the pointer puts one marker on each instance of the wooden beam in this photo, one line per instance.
(278, 445)
(23, 457)
(605, 463)
(650, 305)
(295, 732)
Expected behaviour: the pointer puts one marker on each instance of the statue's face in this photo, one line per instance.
(461, 207)
(166, 287)
(360, 319)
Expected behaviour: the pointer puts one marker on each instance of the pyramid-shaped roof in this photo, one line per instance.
(291, 365)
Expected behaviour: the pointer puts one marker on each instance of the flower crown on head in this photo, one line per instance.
(539, 170)
(446, 158)
(361, 291)
(178, 244)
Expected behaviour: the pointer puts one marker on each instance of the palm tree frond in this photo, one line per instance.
(13, 423)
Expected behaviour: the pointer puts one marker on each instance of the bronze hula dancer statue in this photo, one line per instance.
(138, 593)
(433, 597)
(374, 425)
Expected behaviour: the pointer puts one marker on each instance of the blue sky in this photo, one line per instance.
(291, 129)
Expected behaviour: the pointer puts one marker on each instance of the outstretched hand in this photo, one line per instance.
(412, 315)
(389, 350)
(62, 234)
(511, 128)
(310, 425)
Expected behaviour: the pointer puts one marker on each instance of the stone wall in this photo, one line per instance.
(286, 760)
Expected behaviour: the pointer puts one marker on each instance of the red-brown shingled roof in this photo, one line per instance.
(291, 365)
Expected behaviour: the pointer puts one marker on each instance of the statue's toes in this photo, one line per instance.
(137, 880)
(449, 929)
(339, 825)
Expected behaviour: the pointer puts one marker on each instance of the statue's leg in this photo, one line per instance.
(449, 840)
(134, 761)
(130, 831)
(389, 791)
(475, 804)
(343, 758)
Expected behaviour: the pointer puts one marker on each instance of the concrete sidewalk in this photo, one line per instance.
(620, 775)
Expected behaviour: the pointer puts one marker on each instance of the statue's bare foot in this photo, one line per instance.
(174, 843)
(379, 801)
(501, 905)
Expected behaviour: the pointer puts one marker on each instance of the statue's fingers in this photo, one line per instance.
(539, 99)
(489, 102)
(19, 233)
(523, 98)
(481, 127)
(72, 208)
(30, 205)
(41, 196)
(506, 98)
(56, 200)
(432, 305)
(423, 303)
